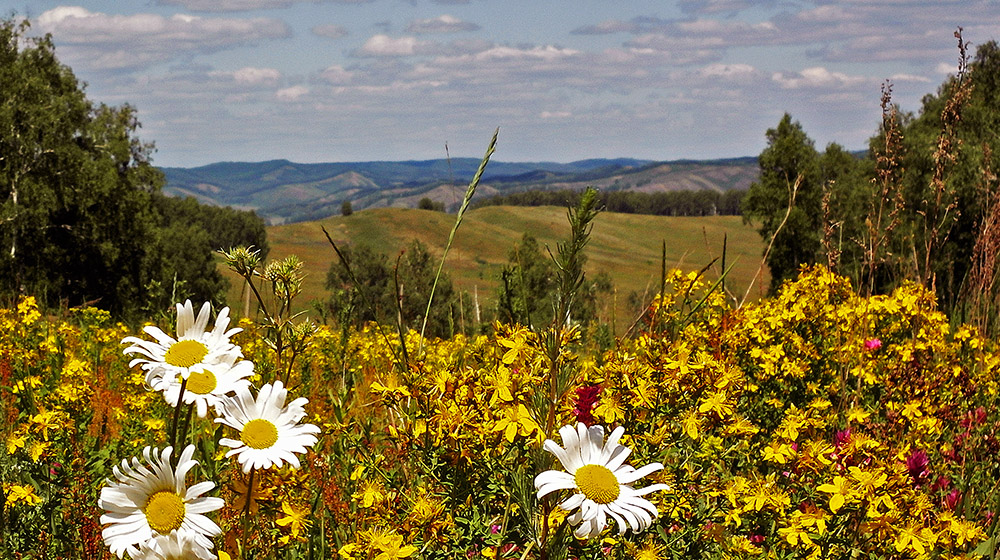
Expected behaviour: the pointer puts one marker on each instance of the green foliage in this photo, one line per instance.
(427, 204)
(786, 199)
(346, 209)
(670, 203)
(75, 185)
(923, 206)
(525, 294)
(189, 234)
(969, 179)
(380, 289)
(225, 226)
(83, 221)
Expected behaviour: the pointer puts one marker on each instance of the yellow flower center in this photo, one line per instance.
(201, 382)
(185, 353)
(259, 433)
(598, 483)
(164, 512)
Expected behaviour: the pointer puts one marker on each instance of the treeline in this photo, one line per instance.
(923, 206)
(366, 285)
(665, 203)
(82, 220)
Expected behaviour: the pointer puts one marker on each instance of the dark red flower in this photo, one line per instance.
(586, 399)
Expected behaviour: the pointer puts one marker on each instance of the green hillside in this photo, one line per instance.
(627, 246)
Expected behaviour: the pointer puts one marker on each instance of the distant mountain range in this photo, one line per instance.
(282, 191)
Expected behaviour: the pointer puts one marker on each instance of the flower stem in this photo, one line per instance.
(187, 423)
(177, 415)
(246, 512)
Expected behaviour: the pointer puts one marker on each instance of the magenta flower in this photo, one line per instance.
(917, 465)
(873, 344)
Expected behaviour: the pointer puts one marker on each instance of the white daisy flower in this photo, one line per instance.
(177, 545)
(269, 430)
(209, 386)
(145, 503)
(603, 483)
(193, 349)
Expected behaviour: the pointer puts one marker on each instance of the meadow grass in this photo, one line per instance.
(626, 246)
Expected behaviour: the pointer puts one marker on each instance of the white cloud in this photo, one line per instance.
(728, 70)
(945, 68)
(384, 45)
(244, 5)
(251, 75)
(292, 93)
(717, 6)
(555, 114)
(606, 27)
(101, 41)
(909, 78)
(547, 52)
(330, 31)
(440, 24)
(817, 77)
(336, 75)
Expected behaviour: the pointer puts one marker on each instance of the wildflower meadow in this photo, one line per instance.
(812, 424)
(836, 418)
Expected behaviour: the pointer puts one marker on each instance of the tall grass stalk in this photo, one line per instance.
(793, 189)
(471, 190)
(400, 361)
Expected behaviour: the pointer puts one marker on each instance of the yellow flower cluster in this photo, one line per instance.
(811, 424)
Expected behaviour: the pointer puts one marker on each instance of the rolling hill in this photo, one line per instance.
(627, 246)
(284, 192)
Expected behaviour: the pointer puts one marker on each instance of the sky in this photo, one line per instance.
(366, 80)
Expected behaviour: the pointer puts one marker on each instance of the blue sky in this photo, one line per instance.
(359, 80)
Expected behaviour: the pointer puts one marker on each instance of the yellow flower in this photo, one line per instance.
(372, 493)
(17, 493)
(27, 308)
(515, 345)
(517, 421)
(857, 415)
(391, 549)
(717, 403)
(964, 531)
(15, 442)
(45, 421)
(914, 537)
(839, 492)
(778, 452)
(795, 535)
(32, 381)
(392, 386)
(347, 551)
(690, 424)
(296, 519)
(868, 481)
(38, 448)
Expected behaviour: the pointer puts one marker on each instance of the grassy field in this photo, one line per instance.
(627, 246)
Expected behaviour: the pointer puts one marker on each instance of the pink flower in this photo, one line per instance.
(952, 499)
(873, 344)
(917, 464)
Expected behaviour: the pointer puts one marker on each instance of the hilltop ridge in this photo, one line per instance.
(282, 191)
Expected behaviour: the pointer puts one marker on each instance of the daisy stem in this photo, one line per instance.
(187, 423)
(177, 415)
(246, 512)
